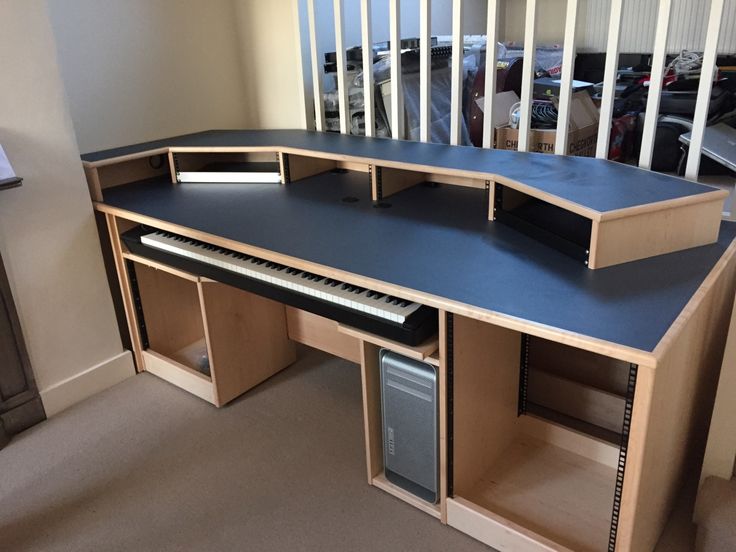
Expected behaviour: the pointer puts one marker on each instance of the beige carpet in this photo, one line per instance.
(145, 466)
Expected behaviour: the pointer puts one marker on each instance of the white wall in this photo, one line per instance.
(48, 237)
(687, 27)
(137, 70)
(270, 53)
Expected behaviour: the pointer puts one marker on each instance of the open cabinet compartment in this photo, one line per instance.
(371, 383)
(517, 479)
(211, 339)
(554, 226)
(579, 389)
(171, 316)
(134, 168)
(226, 166)
(387, 181)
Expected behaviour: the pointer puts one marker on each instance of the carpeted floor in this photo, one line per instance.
(145, 466)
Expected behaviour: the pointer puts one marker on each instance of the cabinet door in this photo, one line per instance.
(20, 404)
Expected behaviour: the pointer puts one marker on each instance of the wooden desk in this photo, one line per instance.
(569, 396)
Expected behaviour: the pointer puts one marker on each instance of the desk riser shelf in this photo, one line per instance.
(671, 225)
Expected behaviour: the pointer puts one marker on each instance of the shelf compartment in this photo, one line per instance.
(555, 493)
(296, 167)
(519, 481)
(554, 226)
(602, 239)
(171, 311)
(185, 319)
(226, 167)
(371, 387)
(135, 168)
(321, 333)
(387, 181)
(580, 389)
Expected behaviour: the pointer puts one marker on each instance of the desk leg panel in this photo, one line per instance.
(672, 406)
(246, 336)
(113, 226)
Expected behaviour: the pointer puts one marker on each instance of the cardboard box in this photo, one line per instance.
(580, 142)
(582, 136)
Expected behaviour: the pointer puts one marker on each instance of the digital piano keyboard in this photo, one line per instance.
(385, 315)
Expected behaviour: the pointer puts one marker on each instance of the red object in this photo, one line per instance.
(622, 132)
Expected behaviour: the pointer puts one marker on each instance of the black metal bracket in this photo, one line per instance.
(176, 166)
(623, 453)
(523, 374)
(449, 366)
(379, 183)
(130, 265)
(285, 163)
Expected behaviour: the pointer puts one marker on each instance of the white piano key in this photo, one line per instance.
(364, 300)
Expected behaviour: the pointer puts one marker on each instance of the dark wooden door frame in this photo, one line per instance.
(20, 403)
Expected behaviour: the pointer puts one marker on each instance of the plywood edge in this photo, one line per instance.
(224, 149)
(417, 352)
(124, 158)
(179, 375)
(494, 530)
(568, 439)
(720, 451)
(131, 316)
(93, 182)
(687, 225)
(442, 361)
(680, 323)
(160, 266)
(713, 195)
(385, 485)
(371, 394)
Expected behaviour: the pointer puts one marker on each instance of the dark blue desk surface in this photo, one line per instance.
(438, 241)
(593, 183)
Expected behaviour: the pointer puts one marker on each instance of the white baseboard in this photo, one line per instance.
(70, 391)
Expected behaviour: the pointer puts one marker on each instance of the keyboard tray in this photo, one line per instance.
(420, 325)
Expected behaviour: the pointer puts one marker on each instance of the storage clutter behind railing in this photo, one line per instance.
(537, 97)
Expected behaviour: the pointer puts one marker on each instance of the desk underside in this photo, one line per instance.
(437, 241)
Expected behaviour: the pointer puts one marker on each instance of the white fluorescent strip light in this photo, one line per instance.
(230, 177)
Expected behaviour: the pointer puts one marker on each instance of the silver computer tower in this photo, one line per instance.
(410, 424)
